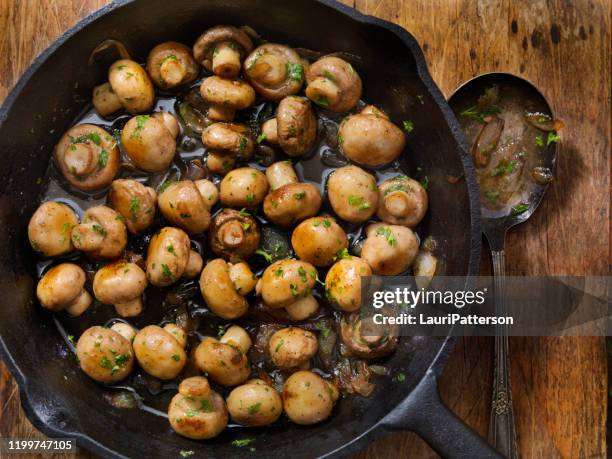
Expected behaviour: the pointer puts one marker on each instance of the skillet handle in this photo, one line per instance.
(424, 413)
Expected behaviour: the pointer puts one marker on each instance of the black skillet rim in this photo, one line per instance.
(414, 48)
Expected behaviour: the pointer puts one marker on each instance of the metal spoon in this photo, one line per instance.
(495, 224)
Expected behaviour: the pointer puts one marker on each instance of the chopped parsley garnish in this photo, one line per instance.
(264, 254)
(520, 208)
(140, 123)
(279, 345)
(176, 357)
(185, 453)
(480, 115)
(299, 196)
(183, 215)
(103, 159)
(86, 138)
(302, 273)
(245, 226)
(503, 167)
(169, 57)
(261, 137)
(326, 223)
(408, 126)
(206, 406)
(295, 71)
(134, 207)
(400, 377)
(252, 409)
(359, 202)
(170, 248)
(294, 290)
(323, 328)
(71, 338)
(341, 254)
(244, 213)
(166, 272)
(425, 182)
(387, 234)
(279, 271)
(322, 100)
(250, 198)
(539, 141)
(242, 442)
(165, 185)
(105, 363)
(242, 144)
(552, 138)
(98, 229)
(340, 140)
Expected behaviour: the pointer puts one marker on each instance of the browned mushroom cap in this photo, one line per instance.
(167, 256)
(50, 227)
(292, 203)
(296, 125)
(87, 156)
(220, 292)
(132, 85)
(274, 70)
(389, 249)
(135, 202)
(319, 240)
(243, 187)
(403, 201)
(182, 205)
(171, 64)
(229, 139)
(228, 94)
(370, 138)
(149, 142)
(101, 234)
(234, 235)
(121, 284)
(104, 100)
(333, 84)
(352, 193)
(62, 288)
(343, 283)
(221, 49)
(286, 281)
(366, 339)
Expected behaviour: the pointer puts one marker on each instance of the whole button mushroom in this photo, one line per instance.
(150, 141)
(169, 257)
(254, 404)
(292, 347)
(290, 201)
(319, 240)
(389, 249)
(353, 194)
(333, 84)
(234, 235)
(50, 227)
(403, 201)
(87, 156)
(121, 284)
(171, 64)
(285, 282)
(343, 283)
(197, 411)
(296, 125)
(132, 86)
(135, 202)
(182, 204)
(366, 339)
(275, 71)
(224, 287)
(243, 187)
(101, 233)
(63, 288)
(225, 96)
(225, 360)
(308, 398)
(370, 138)
(221, 50)
(159, 353)
(104, 355)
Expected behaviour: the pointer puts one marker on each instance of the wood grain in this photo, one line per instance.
(563, 47)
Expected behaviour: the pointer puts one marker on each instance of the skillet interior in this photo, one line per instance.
(39, 110)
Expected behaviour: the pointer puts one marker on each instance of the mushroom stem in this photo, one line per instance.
(323, 91)
(129, 308)
(119, 46)
(231, 234)
(172, 71)
(79, 159)
(220, 113)
(397, 203)
(80, 304)
(226, 60)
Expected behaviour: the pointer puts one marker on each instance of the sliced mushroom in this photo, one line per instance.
(182, 204)
(159, 353)
(333, 84)
(234, 235)
(101, 233)
(171, 64)
(296, 125)
(135, 202)
(286, 281)
(225, 363)
(366, 339)
(319, 240)
(132, 85)
(343, 283)
(221, 50)
(121, 284)
(63, 288)
(104, 355)
(224, 286)
(292, 347)
(229, 139)
(243, 187)
(275, 71)
(403, 201)
(167, 256)
(87, 156)
(50, 227)
(352, 193)
(150, 141)
(225, 96)
(370, 138)
(389, 249)
(197, 411)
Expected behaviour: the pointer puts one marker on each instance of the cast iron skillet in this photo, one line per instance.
(56, 88)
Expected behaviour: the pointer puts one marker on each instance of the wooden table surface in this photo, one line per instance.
(559, 384)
